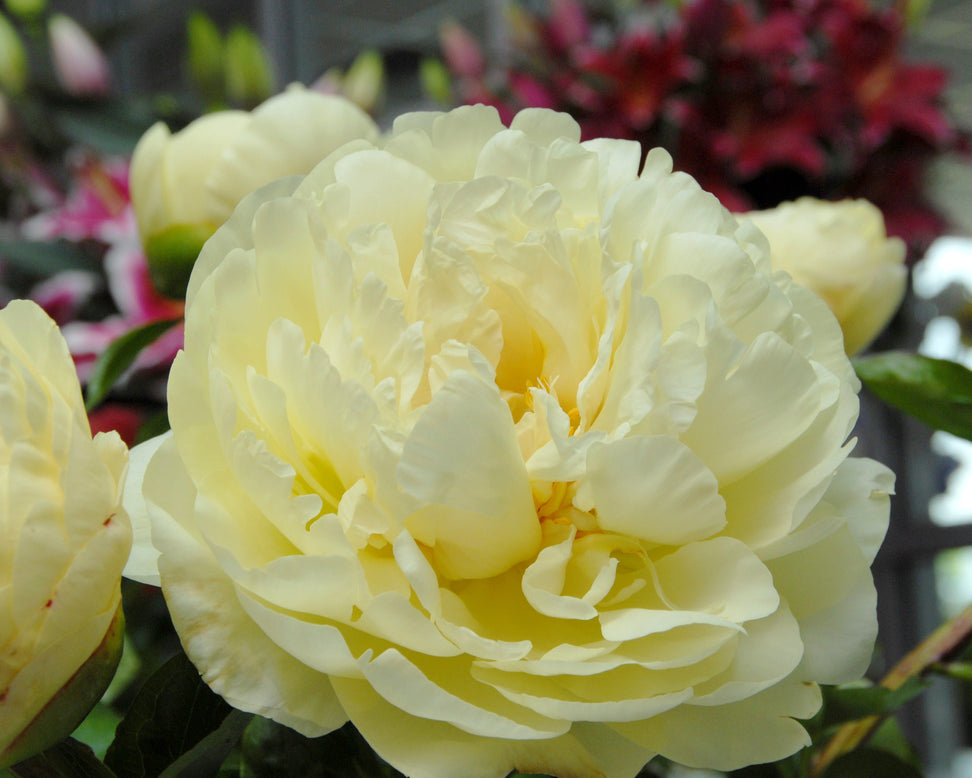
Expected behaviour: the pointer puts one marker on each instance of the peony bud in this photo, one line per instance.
(841, 251)
(249, 76)
(185, 185)
(63, 541)
(65, 711)
(26, 9)
(204, 60)
(364, 83)
(435, 80)
(13, 59)
(461, 51)
(80, 66)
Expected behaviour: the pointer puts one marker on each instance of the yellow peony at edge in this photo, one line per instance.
(184, 185)
(64, 539)
(514, 454)
(841, 251)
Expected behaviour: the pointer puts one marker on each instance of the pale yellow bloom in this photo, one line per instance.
(514, 457)
(842, 252)
(64, 537)
(185, 185)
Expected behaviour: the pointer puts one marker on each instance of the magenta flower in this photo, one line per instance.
(98, 208)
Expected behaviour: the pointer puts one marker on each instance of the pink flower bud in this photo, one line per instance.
(460, 50)
(80, 66)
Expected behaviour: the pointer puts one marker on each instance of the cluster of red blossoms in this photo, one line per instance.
(761, 101)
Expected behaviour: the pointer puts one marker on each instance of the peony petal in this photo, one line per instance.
(738, 425)
(755, 730)
(656, 489)
(477, 512)
(143, 561)
(429, 749)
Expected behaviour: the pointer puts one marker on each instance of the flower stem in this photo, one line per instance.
(949, 639)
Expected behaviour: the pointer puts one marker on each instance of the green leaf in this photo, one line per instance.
(869, 762)
(67, 759)
(98, 729)
(119, 356)
(208, 754)
(110, 128)
(757, 771)
(849, 703)
(271, 750)
(42, 259)
(153, 426)
(935, 391)
(170, 715)
(889, 737)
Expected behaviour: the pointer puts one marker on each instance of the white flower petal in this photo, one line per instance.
(656, 489)
(477, 512)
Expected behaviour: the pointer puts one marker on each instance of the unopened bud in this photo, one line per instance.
(80, 66)
(13, 59)
(364, 83)
(249, 77)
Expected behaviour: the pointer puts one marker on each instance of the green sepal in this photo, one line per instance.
(68, 707)
(171, 255)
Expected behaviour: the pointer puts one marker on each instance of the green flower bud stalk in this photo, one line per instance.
(364, 83)
(171, 255)
(13, 59)
(69, 706)
(26, 9)
(249, 76)
(204, 61)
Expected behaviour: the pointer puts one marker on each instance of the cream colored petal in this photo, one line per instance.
(764, 505)
(286, 235)
(287, 135)
(633, 623)
(32, 337)
(720, 576)
(32, 685)
(477, 515)
(391, 617)
(444, 691)
(148, 195)
(755, 730)
(447, 145)
(839, 640)
(766, 653)
(740, 424)
(389, 190)
(233, 655)
(627, 693)
(860, 493)
(543, 583)
(89, 584)
(618, 162)
(189, 156)
(308, 585)
(235, 232)
(543, 126)
(817, 577)
(654, 488)
(630, 394)
(447, 294)
(880, 300)
(429, 749)
(328, 648)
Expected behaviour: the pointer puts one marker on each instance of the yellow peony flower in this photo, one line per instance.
(185, 185)
(841, 251)
(515, 458)
(65, 539)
